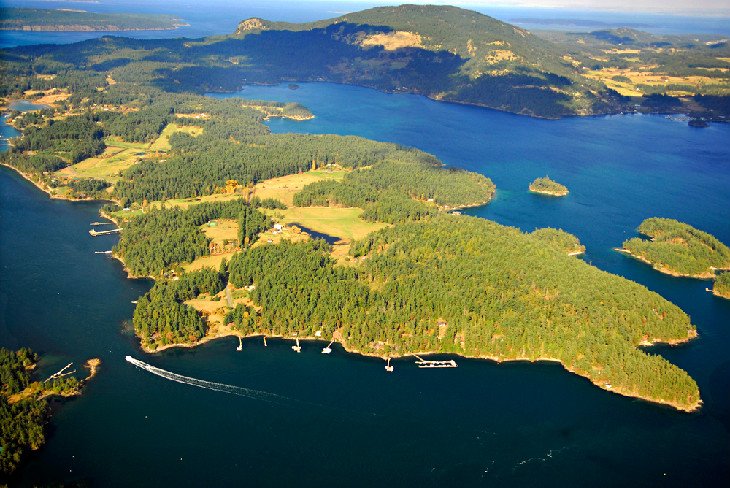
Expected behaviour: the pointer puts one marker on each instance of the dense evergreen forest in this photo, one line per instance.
(468, 286)
(564, 241)
(722, 285)
(678, 248)
(157, 240)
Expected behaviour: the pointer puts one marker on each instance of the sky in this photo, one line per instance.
(694, 7)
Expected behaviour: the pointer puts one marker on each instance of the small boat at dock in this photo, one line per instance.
(388, 367)
(327, 349)
(297, 348)
(240, 345)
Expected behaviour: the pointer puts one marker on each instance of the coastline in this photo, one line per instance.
(668, 271)
(689, 408)
(550, 193)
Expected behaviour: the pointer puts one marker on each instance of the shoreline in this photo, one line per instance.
(550, 193)
(667, 271)
(349, 350)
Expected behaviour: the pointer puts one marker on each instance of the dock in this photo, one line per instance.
(95, 232)
(102, 223)
(424, 363)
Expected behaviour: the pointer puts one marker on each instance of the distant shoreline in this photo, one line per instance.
(88, 28)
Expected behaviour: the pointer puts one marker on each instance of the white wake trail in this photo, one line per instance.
(209, 385)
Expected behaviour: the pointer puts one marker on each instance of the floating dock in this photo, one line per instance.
(95, 232)
(102, 223)
(424, 363)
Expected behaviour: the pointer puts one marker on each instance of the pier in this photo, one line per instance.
(102, 223)
(95, 232)
(424, 363)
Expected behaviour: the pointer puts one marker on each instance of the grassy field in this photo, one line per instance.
(120, 155)
(344, 223)
(117, 157)
(284, 188)
(163, 142)
(646, 77)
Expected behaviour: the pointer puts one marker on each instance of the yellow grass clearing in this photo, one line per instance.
(48, 97)
(630, 88)
(163, 142)
(500, 55)
(394, 40)
(225, 229)
(727, 60)
(213, 262)
(288, 233)
(187, 202)
(622, 51)
(284, 188)
(115, 158)
(344, 223)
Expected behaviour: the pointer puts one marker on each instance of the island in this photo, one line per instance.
(318, 236)
(24, 409)
(678, 249)
(721, 287)
(546, 186)
(36, 19)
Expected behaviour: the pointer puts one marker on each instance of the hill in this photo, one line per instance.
(491, 63)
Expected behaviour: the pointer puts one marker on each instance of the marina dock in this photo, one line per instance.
(424, 363)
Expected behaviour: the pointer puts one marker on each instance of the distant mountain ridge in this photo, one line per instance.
(493, 55)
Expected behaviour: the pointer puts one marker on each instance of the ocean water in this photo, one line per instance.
(340, 419)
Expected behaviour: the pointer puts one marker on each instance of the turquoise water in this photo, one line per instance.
(342, 420)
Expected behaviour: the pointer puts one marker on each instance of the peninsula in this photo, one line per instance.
(35, 19)
(678, 249)
(546, 186)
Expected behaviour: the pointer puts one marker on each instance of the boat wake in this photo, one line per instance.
(210, 385)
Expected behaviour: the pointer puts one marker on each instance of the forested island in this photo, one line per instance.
(546, 186)
(24, 410)
(222, 214)
(36, 19)
(678, 249)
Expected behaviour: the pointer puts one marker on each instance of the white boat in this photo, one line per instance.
(240, 345)
(327, 349)
(297, 348)
(388, 367)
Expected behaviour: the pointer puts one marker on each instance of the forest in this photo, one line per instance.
(678, 248)
(472, 287)
(721, 287)
(155, 241)
(564, 241)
